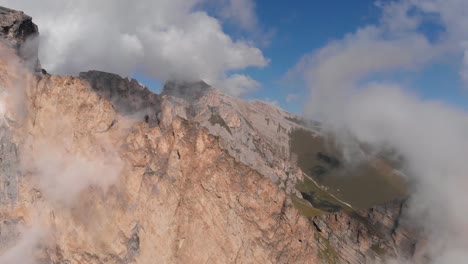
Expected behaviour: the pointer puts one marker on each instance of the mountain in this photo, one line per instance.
(97, 168)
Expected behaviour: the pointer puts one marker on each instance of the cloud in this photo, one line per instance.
(433, 139)
(60, 170)
(431, 136)
(62, 175)
(241, 12)
(25, 248)
(56, 166)
(341, 64)
(164, 39)
(291, 98)
(239, 85)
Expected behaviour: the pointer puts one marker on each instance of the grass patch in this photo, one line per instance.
(319, 197)
(362, 185)
(149, 172)
(378, 250)
(326, 252)
(305, 208)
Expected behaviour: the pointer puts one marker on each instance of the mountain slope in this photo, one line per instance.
(98, 169)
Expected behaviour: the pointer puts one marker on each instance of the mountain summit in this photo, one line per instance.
(99, 169)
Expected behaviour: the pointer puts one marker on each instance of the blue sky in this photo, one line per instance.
(301, 27)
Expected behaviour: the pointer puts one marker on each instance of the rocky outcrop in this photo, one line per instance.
(19, 32)
(255, 133)
(190, 92)
(127, 96)
(366, 236)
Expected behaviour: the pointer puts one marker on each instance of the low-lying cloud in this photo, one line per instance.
(62, 175)
(431, 136)
(51, 165)
(164, 39)
(25, 249)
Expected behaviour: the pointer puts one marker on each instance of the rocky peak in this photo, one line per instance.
(128, 96)
(19, 32)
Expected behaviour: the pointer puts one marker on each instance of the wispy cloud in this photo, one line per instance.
(241, 12)
(56, 166)
(431, 136)
(291, 98)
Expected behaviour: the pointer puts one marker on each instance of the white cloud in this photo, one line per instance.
(25, 248)
(452, 16)
(291, 98)
(241, 12)
(239, 85)
(166, 39)
(62, 176)
(433, 139)
(431, 136)
(342, 63)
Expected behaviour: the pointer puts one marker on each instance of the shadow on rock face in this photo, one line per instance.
(189, 91)
(128, 97)
(9, 169)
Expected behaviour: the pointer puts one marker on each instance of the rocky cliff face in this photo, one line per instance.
(19, 32)
(98, 169)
